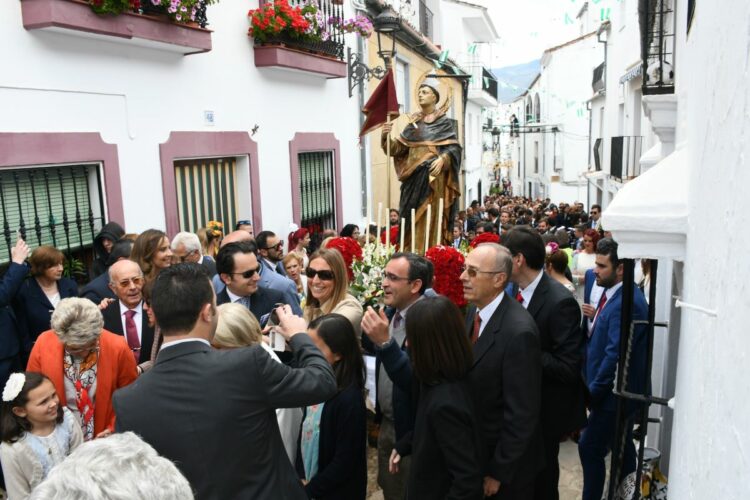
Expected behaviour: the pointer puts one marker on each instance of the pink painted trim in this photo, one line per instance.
(271, 56)
(204, 145)
(305, 142)
(78, 16)
(26, 149)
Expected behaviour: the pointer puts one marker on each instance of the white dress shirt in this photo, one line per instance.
(487, 311)
(528, 292)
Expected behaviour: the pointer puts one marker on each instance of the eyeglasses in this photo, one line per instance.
(322, 275)
(393, 277)
(472, 271)
(277, 246)
(137, 281)
(249, 273)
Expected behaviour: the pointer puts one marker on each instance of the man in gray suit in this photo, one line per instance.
(212, 412)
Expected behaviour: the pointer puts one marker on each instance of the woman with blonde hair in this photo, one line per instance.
(152, 252)
(327, 286)
(237, 327)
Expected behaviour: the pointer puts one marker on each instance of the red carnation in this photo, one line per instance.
(448, 263)
(394, 236)
(484, 238)
(349, 249)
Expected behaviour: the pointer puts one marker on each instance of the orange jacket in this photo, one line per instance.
(116, 369)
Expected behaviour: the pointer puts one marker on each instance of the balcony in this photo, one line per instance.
(321, 58)
(657, 46)
(625, 155)
(598, 83)
(425, 20)
(483, 87)
(75, 17)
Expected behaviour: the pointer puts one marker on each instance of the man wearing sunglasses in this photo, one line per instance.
(271, 251)
(125, 315)
(239, 269)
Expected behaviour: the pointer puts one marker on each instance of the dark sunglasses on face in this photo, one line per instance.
(322, 275)
(277, 246)
(249, 273)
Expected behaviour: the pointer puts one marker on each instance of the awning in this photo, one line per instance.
(633, 73)
(649, 216)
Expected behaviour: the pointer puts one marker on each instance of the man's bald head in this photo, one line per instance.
(236, 237)
(126, 281)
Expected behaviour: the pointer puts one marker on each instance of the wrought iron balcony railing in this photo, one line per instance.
(598, 82)
(425, 20)
(625, 155)
(657, 23)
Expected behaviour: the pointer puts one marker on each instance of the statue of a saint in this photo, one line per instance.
(427, 157)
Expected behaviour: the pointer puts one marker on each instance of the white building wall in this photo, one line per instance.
(135, 97)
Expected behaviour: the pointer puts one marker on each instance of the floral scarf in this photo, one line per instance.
(82, 373)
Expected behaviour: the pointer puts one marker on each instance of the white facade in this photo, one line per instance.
(136, 97)
(550, 154)
(701, 167)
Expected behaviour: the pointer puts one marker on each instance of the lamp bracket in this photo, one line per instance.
(359, 71)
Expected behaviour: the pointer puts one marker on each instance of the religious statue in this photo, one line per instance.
(427, 157)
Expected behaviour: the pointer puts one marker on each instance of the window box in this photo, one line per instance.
(272, 55)
(75, 17)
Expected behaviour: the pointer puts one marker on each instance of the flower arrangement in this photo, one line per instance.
(274, 18)
(180, 11)
(349, 249)
(367, 285)
(394, 236)
(360, 25)
(448, 263)
(484, 238)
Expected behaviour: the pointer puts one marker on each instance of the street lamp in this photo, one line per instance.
(386, 25)
(495, 139)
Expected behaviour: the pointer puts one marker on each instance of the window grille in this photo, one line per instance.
(317, 191)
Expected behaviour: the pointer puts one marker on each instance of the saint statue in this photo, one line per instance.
(427, 157)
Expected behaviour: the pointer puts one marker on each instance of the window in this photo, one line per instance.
(537, 109)
(317, 190)
(529, 110)
(206, 190)
(58, 206)
(402, 86)
(536, 157)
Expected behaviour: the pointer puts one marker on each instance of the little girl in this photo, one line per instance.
(37, 433)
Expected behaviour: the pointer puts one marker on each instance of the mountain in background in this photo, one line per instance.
(518, 75)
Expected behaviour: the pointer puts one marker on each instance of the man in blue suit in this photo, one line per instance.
(602, 356)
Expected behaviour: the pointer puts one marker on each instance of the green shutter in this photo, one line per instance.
(206, 190)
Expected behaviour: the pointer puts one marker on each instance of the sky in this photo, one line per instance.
(528, 27)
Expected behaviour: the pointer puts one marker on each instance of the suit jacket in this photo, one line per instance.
(113, 323)
(116, 369)
(10, 333)
(278, 268)
(446, 445)
(588, 287)
(603, 352)
(273, 281)
(261, 302)
(34, 310)
(342, 452)
(212, 413)
(98, 289)
(506, 383)
(558, 318)
(210, 265)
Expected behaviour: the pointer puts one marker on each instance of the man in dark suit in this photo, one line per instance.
(240, 271)
(506, 377)
(212, 411)
(271, 251)
(125, 315)
(407, 277)
(558, 317)
(602, 357)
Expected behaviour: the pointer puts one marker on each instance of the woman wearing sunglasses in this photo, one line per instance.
(327, 285)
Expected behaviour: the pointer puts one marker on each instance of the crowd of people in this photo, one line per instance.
(232, 366)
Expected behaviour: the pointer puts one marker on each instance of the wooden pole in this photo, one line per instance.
(388, 165)
(413, 231)
(401, 235)
(380, 214)
(367, 222)
(427, 228)
(439, 232)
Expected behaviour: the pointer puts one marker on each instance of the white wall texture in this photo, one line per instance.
(136, 96)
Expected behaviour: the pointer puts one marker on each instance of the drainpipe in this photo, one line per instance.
(362, 144)
(588, 165)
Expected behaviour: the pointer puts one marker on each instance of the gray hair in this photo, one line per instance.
(189, 240)
(503, 258)
(77, 321)
(118, 467)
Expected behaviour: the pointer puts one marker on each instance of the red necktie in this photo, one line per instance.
(131, 334)
(519, 297)
(475, 331)
(602, 301)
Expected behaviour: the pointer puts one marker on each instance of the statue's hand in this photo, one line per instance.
(436, 167)
(387, 127)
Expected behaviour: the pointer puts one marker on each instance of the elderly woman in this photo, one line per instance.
(294, 269)
(327, 285)
(85, 363)
(40, 295)
(237, 327)
(152, 252)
